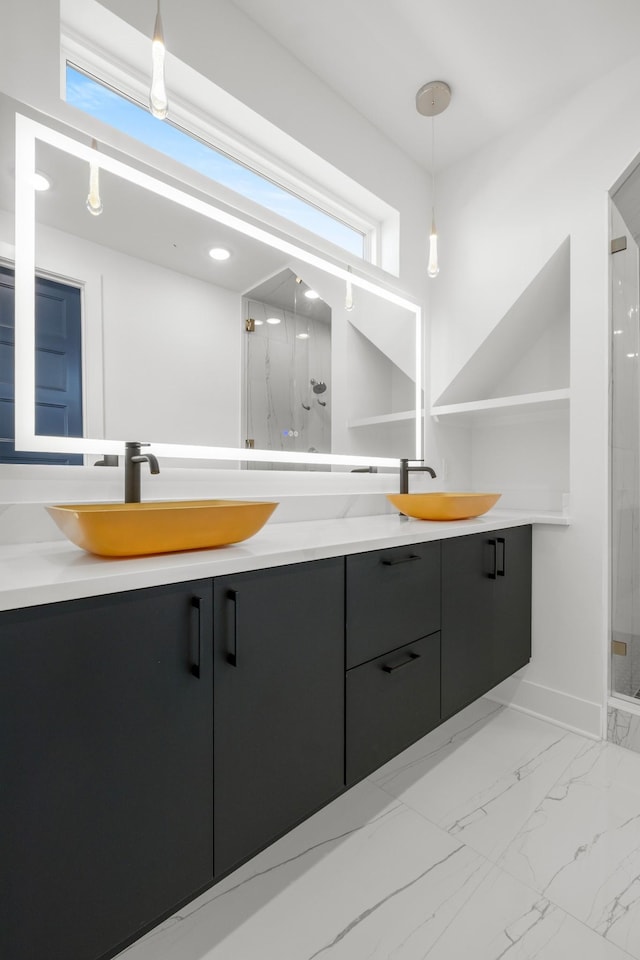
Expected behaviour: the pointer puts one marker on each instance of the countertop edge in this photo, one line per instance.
(39, 573)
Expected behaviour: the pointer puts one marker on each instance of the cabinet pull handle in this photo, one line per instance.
(392, 563)
(232, 658)
(494, 573)
(196, 604)
(502, 569)
(399, 666)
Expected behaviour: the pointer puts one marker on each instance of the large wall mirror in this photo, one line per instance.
(272, 356)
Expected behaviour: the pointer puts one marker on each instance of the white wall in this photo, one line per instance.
(502, 214)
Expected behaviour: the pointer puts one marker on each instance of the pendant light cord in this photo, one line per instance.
(433, 171)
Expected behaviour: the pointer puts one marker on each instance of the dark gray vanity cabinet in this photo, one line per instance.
(151, 741)
(392, 653)
(486, 612)
(105, 768)
(278, 702)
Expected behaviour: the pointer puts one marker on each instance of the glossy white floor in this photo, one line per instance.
(498, 835)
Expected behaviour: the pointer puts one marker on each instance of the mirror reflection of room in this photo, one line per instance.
(288, 402)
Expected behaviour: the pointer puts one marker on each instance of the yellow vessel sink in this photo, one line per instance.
(443, 505)
(134, 529)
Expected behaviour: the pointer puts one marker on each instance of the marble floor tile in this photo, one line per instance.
(403, 868)
(506, 919)
(364, 878)
(581, 846)
(481, 779)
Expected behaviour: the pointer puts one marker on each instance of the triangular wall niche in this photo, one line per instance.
(527, 352)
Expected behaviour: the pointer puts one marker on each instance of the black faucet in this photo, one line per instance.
(405, 470)
(132, 460)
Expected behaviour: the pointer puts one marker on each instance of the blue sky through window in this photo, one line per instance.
(100, 101)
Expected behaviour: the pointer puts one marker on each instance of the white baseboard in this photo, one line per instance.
(573, 713)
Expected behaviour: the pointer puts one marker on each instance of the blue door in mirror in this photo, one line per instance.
(58, 367)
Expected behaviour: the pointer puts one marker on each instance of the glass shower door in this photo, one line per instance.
(625, 464)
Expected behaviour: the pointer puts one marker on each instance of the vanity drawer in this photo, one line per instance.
(391, 702)
(393, 597)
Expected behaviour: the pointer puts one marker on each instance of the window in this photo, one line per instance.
(106, 104)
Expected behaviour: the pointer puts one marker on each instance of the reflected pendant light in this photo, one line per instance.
(94, 201)
(348, 299)
(158, 102)
(431, 99)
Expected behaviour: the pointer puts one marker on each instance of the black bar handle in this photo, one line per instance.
(392, 563)
(503, 568)
(196, 604)
(399, 666)
(493, 575)
(232, 658)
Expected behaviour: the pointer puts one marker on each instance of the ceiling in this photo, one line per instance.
(507, 61)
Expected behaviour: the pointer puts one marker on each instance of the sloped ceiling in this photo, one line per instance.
(506, 61)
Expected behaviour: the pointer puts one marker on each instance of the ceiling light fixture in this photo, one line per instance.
(431, 99)
(94, 201)
(158, 102)
(219, 253)
(273, 320)
(302, 336)
(311, 294)
(40, 182)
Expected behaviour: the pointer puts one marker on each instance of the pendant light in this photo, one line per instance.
(94, 201)
(158, 102)
(431, 99)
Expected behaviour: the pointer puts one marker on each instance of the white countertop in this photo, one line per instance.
(36, 573)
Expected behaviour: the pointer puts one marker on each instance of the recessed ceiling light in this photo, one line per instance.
(40, 182)
(273, 320)
(617, 333)
(302, 336)
(258, 323)
(219, 253)
(311, 294)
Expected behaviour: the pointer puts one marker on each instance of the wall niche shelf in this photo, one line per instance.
(522, 366)
(545, 404)
(502, 422)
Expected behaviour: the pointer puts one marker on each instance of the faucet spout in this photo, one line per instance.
(405, 470)
(132, 460)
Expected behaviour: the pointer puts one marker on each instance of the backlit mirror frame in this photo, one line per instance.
(28, 132)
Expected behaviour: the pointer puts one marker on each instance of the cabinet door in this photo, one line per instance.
(278, 702)
(486, 613)
(106, 768)
(512, 619)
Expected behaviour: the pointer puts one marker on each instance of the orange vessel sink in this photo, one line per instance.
(135, 529)
(443, 505)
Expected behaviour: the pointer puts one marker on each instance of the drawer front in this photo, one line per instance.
(393, 597)
(391, 702)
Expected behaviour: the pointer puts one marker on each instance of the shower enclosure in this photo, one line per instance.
(625, 441)
(287, 367)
